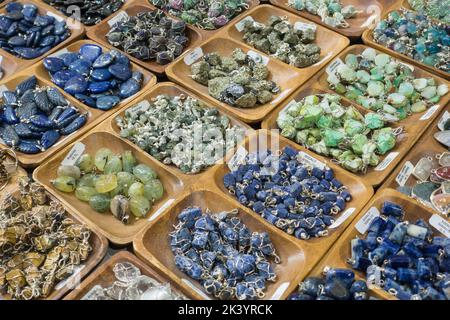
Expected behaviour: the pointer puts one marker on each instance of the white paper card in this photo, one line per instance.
(427, 115)
(193, 56)
(117, 18)
(161, 209)
(443, 120)
(331, 69)
(387, 161)
(74, 154)
(280, 291)
(302, 26)
(404, 174)
(364, 223)
(1, 60)
(347, 213)
(305, 158)
(240, 25)
(237, 159)
(54, 15)
(3, 88)
(442, 225)
(258, 58)
(142, 106)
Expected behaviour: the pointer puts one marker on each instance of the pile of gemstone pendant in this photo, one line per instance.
(297, 198)
(223, 254)
(98, 79)
(403, 257)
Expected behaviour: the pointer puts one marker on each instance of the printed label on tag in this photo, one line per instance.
(387, 161)
(193, 287)
(237, 159)
(73, 281)
(258, 58)
(59, 53)
(442, 225)
(161, 209)
(331, 69)
(408, 66)
(240, 25)
(364, 223)
(310, 160)
(74, 154)
(193, 56)
(280, 291)
(54, 15)
(342, 218)
(404, 174)
(302, 26)
(117, 18)
(443, 120)
(142, 106)
(3, 88)
(427, 115)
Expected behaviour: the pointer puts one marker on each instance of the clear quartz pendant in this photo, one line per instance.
(422, 170)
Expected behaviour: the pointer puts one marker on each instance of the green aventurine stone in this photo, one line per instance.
(358, 143)
(353, 127)
(385, 142)
(374, 121)
(332, 138)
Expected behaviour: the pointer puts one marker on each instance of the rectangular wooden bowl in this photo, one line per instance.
(9, 66)
(99, 246)
(172, 89)
(371, 176)
(152, 245)
(330, 42)
(94, 116)
(337, 256)
(99, 32)
(427, 146)
(76, 34)
(117, 232)
(104, 276)
(359, 189)
(368, 39)
(370, 11)
(286, 77)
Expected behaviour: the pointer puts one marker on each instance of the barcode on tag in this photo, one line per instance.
(142, 106)
(427, 115)
(305, 158)
(387, 161)
(258, 58)
(280, 291)
(59, 53)
(304, 26)
(74, 154)
(240, 25)
(331, 69)
(161, 209)
(442, 225)
(3, 88)
(364, 223)
(117, 18)
(193, 56)
(443, 120)
(237, 159)
(54, 15)
(342, 218)
(404, 174)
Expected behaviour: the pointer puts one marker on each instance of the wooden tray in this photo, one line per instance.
(76, 34)
(98, 34)
(340, 252)
(104, 276)
(33, 160)
(107, 224)
(331, 43)
(368, 39)
(371, 10)
(286, 77)
(8, 65)
(99, 246)
(171, 89)
(414, 125)
(152, 245)
(427, 146)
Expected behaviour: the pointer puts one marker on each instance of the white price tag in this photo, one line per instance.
(442, 225)
(443, 120)
(331, 69)
(121, 15)
(387, 161)
(1, 60)
(280, 291)
(364, 223)
(237, 159)
(59, 53)
(258, 58)
(302, 26)
(427, 115)
(342, 218)
(161, 209)
(305, 158)
(142, 106)
(3, 88)
(240, 25)
(193, 56)
(54, 15)
(74, 154)
(404, 174)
